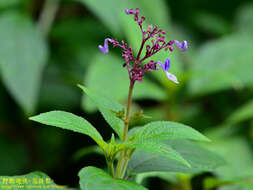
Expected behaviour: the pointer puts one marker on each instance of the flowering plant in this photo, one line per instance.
(152, 144)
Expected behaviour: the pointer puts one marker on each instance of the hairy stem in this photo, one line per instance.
(123, 154)
(47, 15)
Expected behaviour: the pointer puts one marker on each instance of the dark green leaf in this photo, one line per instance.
(159, 149)
(199, 158)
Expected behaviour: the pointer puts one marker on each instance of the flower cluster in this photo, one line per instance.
(134, 64)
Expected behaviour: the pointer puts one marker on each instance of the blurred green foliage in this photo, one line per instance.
(39, 72)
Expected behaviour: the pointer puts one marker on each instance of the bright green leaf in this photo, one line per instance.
(23, 54)
(199, 158)
(94, 178)
(71, 122)
(166, 130)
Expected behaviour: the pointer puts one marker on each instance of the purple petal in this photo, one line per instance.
(172, 77)
(129, 11)
(182, 46)
(161, 65)
(167, 64)
(105, 48)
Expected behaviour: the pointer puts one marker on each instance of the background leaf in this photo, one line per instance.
(23, 54)
(223, 64)
(243, 113)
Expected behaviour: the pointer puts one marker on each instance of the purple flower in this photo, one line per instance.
(166, 67)
(105, 48)
(136, 65)
(182, 46)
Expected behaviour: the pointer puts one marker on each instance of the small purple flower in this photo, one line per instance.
(182, 46)
(105, 48)
(166, 67)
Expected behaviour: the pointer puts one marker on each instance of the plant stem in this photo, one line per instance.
(123, 157)
(47, 15)
(110, 167)
(142, 44)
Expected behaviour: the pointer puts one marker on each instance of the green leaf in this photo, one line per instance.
(71, 122)
(34, 180)
(166, 130)
(94, 178)
(107, 70)
(223, 64)
(199, 158)
(107, 106)
(161, 149)
(243, 113)
(23, 55)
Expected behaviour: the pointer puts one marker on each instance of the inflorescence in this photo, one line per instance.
(134, 64)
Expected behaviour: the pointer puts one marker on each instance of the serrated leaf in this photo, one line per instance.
(199, 158)
(161, 149)
(97, 179)
(23, 55)
(34, 180)
(107, 106)
(243, 113)
(223, 64)
(166, 130)
(107, 70)
(71, 122)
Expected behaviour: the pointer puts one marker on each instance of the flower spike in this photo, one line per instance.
(105, 48)
(166, 67)
(153, 41)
